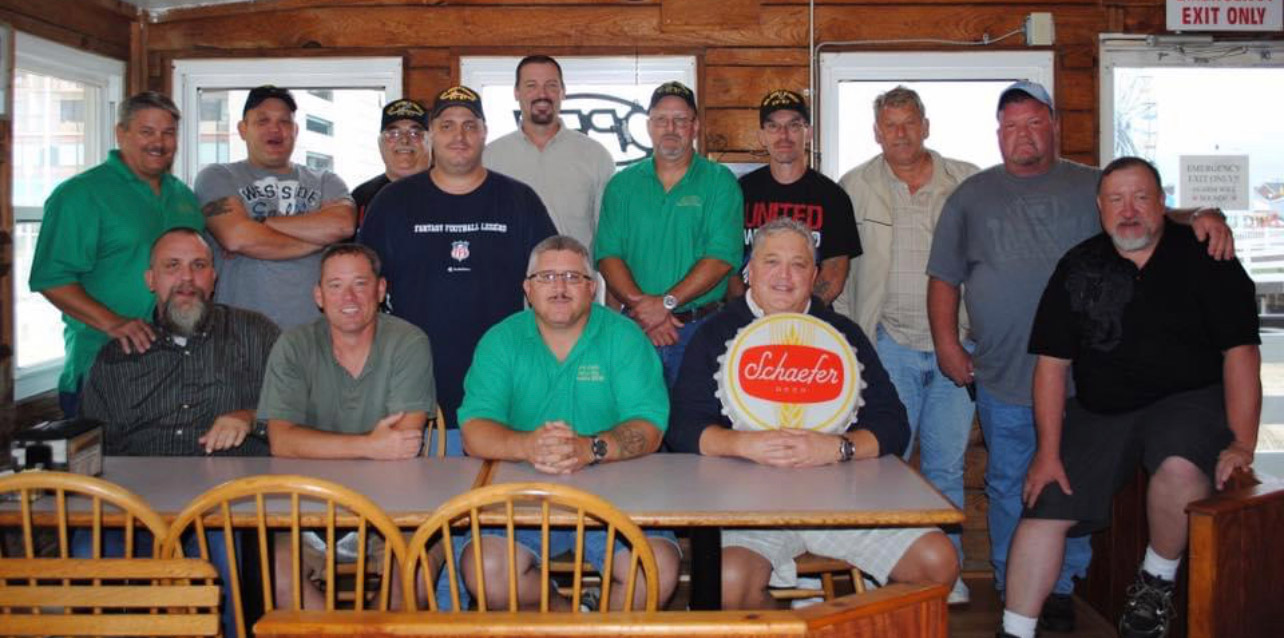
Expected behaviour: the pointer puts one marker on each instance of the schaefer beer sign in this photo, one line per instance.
(790, 370)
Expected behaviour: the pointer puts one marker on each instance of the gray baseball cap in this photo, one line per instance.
(1026, 87)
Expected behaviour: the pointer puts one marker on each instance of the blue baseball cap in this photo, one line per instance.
(1028, 88)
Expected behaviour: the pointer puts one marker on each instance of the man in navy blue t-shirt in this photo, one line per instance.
(454, 242)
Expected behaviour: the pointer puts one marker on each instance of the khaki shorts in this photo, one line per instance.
(314, 553)
(875, 551)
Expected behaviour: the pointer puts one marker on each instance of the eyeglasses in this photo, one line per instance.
(662, 122)
(793, 126)
(570, 277)
(408, 134)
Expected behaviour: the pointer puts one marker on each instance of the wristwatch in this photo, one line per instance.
(846, 449)
(598, 446)
(670, 302)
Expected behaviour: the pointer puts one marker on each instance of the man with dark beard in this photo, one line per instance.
(195, 390)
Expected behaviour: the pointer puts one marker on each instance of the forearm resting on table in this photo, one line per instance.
(291, 440)
(491, 440)
(631, 439)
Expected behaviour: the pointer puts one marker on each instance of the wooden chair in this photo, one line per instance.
(545, 506)
(45, 591)
(290, 505)
(811, 565)
(438, 432)
(46, 500)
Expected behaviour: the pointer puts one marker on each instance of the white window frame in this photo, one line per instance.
(191, 76)
(1120, 50)
(917, 67)
(477, 71)
(107, 76)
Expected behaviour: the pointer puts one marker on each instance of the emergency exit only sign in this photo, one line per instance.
(1225, 15)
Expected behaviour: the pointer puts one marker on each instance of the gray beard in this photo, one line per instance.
(183, 321)
(1132, 244)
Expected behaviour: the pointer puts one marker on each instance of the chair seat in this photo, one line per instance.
(809, 564)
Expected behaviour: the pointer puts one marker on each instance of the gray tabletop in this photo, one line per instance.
(409, 491)
(692, 490)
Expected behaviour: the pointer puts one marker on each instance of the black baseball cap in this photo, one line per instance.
(404, 109)
(458, 96)
(782, 100)
(676, 89)
(266, 92)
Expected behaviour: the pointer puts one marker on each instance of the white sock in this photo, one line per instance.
(1018, 625)
(1157, 565)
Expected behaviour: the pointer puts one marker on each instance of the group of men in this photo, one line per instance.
(487, 257)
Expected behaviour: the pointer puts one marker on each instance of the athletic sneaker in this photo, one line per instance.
(1058, 613)
(960, 594)
(1148, 612)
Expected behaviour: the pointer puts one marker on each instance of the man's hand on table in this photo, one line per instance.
(555, 448)
(387, 443)
(228, 431)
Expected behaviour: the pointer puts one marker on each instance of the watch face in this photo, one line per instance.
(670, 302)
(599, 449)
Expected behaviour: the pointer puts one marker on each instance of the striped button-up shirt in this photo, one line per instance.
(162, 401)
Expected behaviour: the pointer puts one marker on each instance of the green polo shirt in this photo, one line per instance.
(612, 375)
(660, 236)
(305, 385)
(97, 231)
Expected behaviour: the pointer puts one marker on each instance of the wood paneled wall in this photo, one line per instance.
(753, 46)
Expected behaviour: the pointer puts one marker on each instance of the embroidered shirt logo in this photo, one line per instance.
(591, 372)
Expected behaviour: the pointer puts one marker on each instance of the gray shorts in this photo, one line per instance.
(875, 551)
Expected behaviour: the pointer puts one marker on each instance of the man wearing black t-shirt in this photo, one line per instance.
(404, 147)
(454, 242)
(1163, 340)
(786, 187)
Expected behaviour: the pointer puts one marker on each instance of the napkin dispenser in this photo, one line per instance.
(69, 445)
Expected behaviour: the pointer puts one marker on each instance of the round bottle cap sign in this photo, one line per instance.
(790, 370)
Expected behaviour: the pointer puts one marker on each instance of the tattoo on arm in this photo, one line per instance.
(821, 288)
(217, 207)
(631, 442)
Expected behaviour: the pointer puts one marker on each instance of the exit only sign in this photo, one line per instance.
(1225, 15)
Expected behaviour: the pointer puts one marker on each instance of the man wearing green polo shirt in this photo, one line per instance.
(563, 385)
(96, 238)
(670, 230)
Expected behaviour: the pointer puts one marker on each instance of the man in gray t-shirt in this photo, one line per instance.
(998, 240)
(270, 218)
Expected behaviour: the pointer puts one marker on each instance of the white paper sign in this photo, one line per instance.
(1219, 181)
(1225, 15)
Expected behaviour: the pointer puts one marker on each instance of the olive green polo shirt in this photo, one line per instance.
(305, 385)
(612, 375)
(97, 231)
(661, 235)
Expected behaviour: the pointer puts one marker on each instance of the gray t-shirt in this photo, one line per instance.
(1000, 237)
(569, 176)
(305, 385)
(282, 290)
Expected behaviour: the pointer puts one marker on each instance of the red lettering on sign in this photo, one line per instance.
(791, 374)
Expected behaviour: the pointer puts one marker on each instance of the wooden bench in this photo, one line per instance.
(907, 611)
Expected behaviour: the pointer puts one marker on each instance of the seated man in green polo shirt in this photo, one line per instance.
(564, 385)
(354, 384)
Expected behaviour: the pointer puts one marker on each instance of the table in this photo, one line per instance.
(709, 493)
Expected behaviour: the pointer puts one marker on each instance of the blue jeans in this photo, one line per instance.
(940, 416)
(113, 546)
(1010, 437)
(671, 356)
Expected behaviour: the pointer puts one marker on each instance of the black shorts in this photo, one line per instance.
(1100, 451)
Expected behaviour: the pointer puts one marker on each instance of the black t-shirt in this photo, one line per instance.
(455, 263)
(814, 200)
(1137, 336)
(365, 193)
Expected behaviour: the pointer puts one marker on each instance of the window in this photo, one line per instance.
(319, 125)
(339, 102)
(64, 102)
(606, 97)
(959, 91)
(320, 161)
(1168, 102)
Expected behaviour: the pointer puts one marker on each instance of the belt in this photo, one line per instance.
(695, 314)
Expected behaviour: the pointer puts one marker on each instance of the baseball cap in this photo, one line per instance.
(404, 109)
(782, 100)
(458, 96)
(266, 92)
(1032, 89)
(676, 89)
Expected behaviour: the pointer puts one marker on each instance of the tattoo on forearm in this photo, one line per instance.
(217, 207)
(631, 442)
(821, 288)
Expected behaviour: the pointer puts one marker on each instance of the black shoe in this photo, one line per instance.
(1148, 612)
(1003, 634)
(1058, 613)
